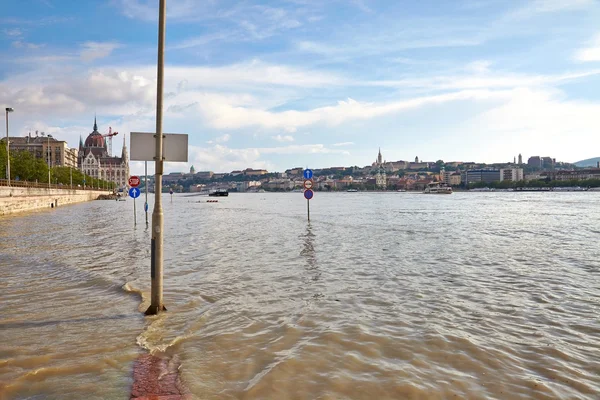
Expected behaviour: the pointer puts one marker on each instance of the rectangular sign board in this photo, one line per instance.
(143, 146)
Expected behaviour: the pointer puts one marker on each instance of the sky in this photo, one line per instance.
(312, 83)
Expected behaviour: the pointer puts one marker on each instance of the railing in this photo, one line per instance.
(26, 184)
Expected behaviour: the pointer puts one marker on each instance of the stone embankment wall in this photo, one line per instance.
(19, 199)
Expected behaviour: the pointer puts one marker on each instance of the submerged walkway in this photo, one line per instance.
(156, 378)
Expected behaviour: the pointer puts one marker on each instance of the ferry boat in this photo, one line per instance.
(219, 193)
(352, 190)
(437, 188)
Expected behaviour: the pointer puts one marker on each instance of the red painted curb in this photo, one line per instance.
(156, 378)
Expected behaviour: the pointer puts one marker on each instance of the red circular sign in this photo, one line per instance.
(308, 184)
(134, 181)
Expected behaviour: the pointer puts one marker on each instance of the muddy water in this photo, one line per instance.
(471, 296)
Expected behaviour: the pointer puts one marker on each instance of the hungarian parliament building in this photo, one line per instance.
(94, 160)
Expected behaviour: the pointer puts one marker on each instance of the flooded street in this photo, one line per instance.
(380, 296)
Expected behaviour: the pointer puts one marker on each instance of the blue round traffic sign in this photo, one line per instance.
(134, 193)
(308, 194)
(308, 174)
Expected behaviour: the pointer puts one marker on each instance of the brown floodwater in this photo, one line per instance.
(380, 296)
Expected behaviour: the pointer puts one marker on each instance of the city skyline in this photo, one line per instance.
(308, 84)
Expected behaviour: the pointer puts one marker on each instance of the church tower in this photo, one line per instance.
(380, 177)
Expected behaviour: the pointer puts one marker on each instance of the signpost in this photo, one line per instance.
(146, 187)
(308, 185)
(134, 193)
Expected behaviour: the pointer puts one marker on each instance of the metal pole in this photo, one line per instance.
(146, 183)
(156, 244)
(308, 208)
(134, 214)
(7, 151)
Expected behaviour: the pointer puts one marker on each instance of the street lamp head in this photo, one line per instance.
(9, 109)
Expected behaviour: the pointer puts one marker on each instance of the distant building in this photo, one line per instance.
(520, 159)
(54, 152)
(451, 178)
(94, 160)
(192, 170)
(380, 176)
(173, 177)
(511, 174)
(204, 175)
(416, 160)
(535, 162)
(295, 171)
(255, 172)
(579, 174)
(455, 179)
(481, 175)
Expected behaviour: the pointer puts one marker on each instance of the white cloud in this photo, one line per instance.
(13, 32)
(285, 138)
(535, 121)
(343, 144)
(479, 67)
(20, 44)
(224, 138)
(95, 50)
(591, 53)
(537, 7)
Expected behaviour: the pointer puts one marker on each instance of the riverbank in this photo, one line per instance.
(14, 200)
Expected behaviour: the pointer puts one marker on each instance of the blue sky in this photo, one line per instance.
(278, 84)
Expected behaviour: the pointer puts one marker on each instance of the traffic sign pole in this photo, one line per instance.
(146, 184)
(134, 193)
(308, 193)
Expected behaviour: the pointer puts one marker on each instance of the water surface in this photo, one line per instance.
(396, 295)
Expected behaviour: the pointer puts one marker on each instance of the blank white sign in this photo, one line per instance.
(143, 146)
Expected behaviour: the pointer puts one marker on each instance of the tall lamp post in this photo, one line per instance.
(156, 244)
(8, 110)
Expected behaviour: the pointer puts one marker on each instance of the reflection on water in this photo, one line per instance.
(308, 252)
(387, 296)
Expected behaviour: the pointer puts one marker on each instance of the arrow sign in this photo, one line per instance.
(134, 193)
(308, 174)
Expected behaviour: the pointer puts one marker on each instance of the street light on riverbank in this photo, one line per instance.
(8, 110)
(156, 244)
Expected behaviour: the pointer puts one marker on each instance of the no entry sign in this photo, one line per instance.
(134, 181)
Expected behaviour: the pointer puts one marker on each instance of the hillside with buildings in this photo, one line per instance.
(386, 175)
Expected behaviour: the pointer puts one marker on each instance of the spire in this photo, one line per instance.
(124, 150)
(80, 142)
(95, 124)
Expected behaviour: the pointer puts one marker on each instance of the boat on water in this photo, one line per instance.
(219, 193)
(437, 188)
(352, 190)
